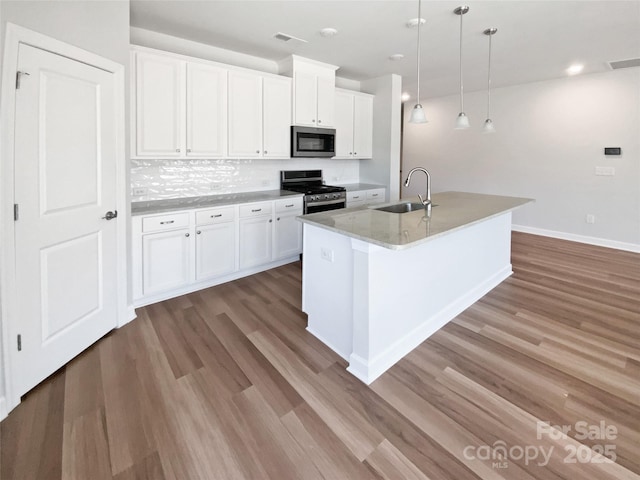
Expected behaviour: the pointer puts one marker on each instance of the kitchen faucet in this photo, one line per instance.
(427, 200)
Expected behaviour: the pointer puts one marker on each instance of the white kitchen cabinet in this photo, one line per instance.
(313, 91)
(160, 105)
(215, 243)
(354, 124)
(259, 116)
(179, 252)
(276, 114)
(371, 196)
(166, 260)
(245, 114)
(206, 126)
(180, 108)
(287, 232)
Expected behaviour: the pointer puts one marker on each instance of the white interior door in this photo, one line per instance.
(65, 182)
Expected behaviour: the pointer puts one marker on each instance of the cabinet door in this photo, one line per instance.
(206, 111)
(326, 101)
(255, 241)
(363, 127)
(215, 250)
(245, 114)
(287, 236)
(344, 125)
(305, 103)
(159, 105)
(276, 115)
(165, 259)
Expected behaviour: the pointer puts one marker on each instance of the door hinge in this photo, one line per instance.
(19, 342)
(16, 212)
(18, 77)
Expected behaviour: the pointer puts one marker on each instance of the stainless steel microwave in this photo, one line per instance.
(313, 142)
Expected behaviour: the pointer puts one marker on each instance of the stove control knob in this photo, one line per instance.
(312, 198)
(336, 195)
(327, 197)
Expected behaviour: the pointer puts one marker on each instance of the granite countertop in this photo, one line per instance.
(454, 211)
(356, 187)
(186, 203)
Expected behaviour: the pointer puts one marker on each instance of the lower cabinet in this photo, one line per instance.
(178, 252)
(365, 197)
(215, 250)
(255, 240)
(165, 260)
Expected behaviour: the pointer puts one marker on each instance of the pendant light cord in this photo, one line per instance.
(418, 62)
(461, 88)
(489, 81)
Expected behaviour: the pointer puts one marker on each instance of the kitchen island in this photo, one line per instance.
(377, 284)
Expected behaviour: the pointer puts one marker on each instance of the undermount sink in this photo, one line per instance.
(403, 207)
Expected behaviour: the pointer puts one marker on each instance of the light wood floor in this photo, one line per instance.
(226, 383)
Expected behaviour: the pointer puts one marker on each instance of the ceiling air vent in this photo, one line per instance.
(285, 37)
(632, 62)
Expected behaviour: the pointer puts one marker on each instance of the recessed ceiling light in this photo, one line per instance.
(575, 69)
(405, 96)
(396, 56)
(414, 22)
(328, 32)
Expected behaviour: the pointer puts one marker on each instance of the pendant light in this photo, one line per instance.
(489, 127)
(417, 114)
(462, 122)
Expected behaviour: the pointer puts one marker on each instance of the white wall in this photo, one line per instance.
(550, 137)
(101, 27)
(384, 167)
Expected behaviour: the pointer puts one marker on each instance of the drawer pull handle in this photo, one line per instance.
(288, 206)
(218, 215)
(256, 210)
(355, 197)
(374, 194)
(167, 222)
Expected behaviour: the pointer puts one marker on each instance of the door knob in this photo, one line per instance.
(110, 215)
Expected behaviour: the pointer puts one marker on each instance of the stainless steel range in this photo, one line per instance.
(318, 196)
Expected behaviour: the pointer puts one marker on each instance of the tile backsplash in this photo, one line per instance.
(172, 178)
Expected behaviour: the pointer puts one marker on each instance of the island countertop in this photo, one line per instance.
(452, 211)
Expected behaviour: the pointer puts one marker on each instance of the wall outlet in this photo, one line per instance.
(326, 254)
(216, 186)
(590, 218)
(139, 191)
(265, 183)
(606, 171)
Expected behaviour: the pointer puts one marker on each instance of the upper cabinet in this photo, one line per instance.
(354, 124)
(159, 101)
(259, 115)
(313, 91)
(206, 111)
(180, 108)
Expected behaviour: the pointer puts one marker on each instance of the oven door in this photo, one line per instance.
(325, 206)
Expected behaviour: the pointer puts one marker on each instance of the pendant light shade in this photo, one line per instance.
(462, 122)
(489, 127)
(417, 114)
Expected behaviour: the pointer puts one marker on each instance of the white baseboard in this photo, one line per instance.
(367, 372)
(600, 242)
(3, 408)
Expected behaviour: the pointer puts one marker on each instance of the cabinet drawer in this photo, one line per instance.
(216, 215)
(356, 196)
(256, 209)
(374, 196)
(165, 222)
(289, 205)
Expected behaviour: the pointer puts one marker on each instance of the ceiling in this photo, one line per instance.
(536, 40)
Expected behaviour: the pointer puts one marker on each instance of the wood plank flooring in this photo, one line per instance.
(227, 384)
